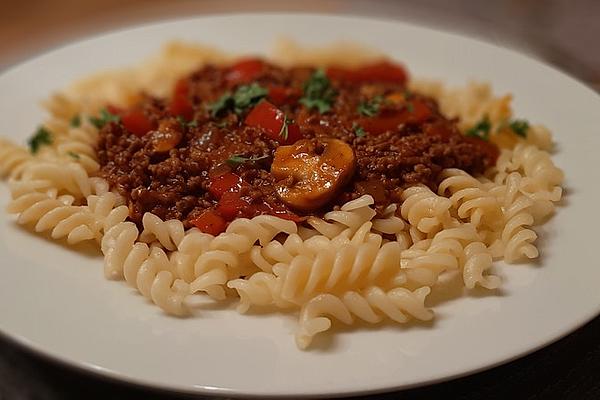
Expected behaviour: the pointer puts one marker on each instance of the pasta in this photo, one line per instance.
(471, 202)
(13, 159)
(325, 266)
(58, 214)
(147, 269)
(425, 212)
(69, 178)
(370, 305)
(358, 260)
(168, 233)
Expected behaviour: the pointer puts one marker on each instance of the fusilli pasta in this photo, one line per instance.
(13, 159)
(148, 269)
(371, 305)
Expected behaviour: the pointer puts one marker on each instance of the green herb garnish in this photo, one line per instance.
(318, 92)
(481, 130)
(223, 104)
(75, 121)
(74, 155)
(359, 131)
(41, 137)
(186, 124)
(519, 127)
(410, 107)
(245, 96)
(370, 107)
(104, 118)
(238, 159)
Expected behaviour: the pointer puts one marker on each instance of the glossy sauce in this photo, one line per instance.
(178, 158)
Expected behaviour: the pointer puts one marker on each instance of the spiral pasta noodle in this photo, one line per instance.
(168, 233)
(535, 165)
(348, 267)
(425, 261)
(351, 217)
(265, 257)
(241, 234)
(69, 178)
(391, 224)
(333, 269)
(521, 210)
(79, 146)
(371, 305)
(478, 260)
(58, 215)
(426, 212)
(13, 159)
(147, 269)
(213, 269)
(260, 289)
(193, 244)
(471, 202)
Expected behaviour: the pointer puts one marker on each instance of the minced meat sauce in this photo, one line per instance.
(253, 138)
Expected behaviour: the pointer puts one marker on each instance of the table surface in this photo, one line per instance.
(563, 33)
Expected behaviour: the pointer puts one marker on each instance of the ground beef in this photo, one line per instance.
(169, 170)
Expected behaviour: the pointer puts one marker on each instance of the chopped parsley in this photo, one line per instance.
(359, 131)
(370, 107)
(222, 104)
(238, 159)
(104, 118)
(410, 107)
(519, 127)
(481, 130)
(186, 124)
(318, 92)
(41, 137)
(74, 155)
(247, 96)
(244, 97)
(75, 121)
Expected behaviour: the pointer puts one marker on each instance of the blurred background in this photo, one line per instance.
(562, 32)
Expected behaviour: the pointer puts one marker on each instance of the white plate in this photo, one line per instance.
(56, 301)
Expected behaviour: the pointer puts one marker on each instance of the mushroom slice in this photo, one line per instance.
(311, 172)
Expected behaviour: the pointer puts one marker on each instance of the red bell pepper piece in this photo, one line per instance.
(227, 182)
(210, 222)
(231, 204)
(136, 122)
(280, 95)
(415, 112)
(244, 71)
(271, 119)
(181, 105)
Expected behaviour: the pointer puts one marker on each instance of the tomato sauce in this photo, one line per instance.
(204, 155)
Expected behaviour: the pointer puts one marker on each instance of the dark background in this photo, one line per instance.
(564, 33)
